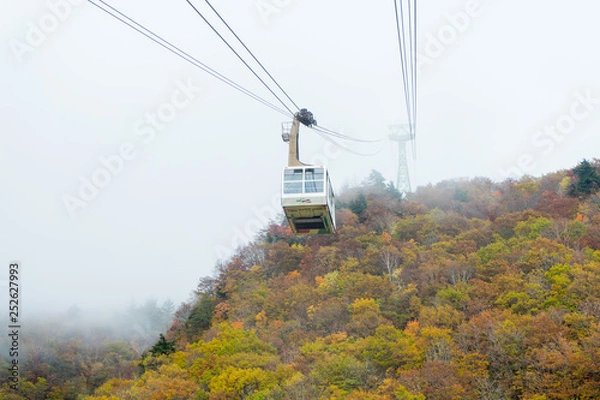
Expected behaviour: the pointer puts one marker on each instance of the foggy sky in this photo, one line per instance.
(514, 86)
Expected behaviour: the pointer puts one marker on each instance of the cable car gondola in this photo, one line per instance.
(307, 196)
(307, 199)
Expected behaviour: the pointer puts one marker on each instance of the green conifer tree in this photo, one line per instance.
(587, 182)
(163, 346)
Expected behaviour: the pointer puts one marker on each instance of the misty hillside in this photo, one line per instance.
(467, 289)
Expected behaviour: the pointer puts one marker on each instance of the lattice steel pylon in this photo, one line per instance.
(401, 134)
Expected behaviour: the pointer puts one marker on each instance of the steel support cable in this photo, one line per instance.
(344, 147)
(240, 57)
(415, 78)
(407, 54)
(412, 70)
(252, 54)
(182, 54)
(412, 73)
(317, 128)
(342, 136)
(407, 50)
(415, 64)
(406, 25)
(401, 47)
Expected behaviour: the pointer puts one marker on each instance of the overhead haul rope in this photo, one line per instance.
(252, 54)
(237, 54)
(325, 133)
(182, 54)
(406, 25)
(341, 135)
(344, 147)
(322, 130)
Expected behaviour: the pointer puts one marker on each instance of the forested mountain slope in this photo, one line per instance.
(468, 289)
